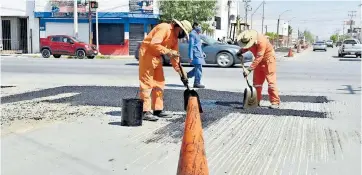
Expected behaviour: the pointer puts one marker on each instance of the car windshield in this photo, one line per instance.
(208, 39)
(76, 40)
(350, 42)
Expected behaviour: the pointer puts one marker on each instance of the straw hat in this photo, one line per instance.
(185, 26)
(247, 38)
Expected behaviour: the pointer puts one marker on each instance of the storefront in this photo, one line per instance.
(118, 32)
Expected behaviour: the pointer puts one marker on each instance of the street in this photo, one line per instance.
(62, 116)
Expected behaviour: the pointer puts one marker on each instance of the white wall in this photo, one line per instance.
(13, 8)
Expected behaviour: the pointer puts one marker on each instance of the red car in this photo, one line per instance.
(58, 45)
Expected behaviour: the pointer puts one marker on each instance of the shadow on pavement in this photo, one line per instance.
(350, 59)
(350, 89)
(114, 113)
(115, 123)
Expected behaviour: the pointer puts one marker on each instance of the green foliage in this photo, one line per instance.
(308, 36)
(191, 10)
(290, 30)
(271, 35)
(334, 38)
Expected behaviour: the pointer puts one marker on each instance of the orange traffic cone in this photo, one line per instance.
(192, 159)
(290, 53)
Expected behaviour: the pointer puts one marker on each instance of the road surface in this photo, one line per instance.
(62, 116)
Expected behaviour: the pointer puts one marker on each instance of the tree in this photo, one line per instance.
(271, 35)
(290, 30)
(308, 36)
(200, 11)
(334, 38)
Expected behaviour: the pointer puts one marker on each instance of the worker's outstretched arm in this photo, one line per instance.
(260, 50)
(157, 39)
(191, 45)
(175, 60)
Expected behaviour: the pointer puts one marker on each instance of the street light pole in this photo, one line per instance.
(288, 30)
(278, 27)
(75, 16)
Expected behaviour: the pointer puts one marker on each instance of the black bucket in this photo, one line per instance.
(132, 110)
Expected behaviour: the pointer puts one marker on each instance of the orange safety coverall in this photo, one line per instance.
(159, 41)
(264, 66)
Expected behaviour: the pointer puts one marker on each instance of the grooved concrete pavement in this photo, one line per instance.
(62, 117)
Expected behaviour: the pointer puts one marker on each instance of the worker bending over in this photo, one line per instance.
(162, 40)
(264, 64)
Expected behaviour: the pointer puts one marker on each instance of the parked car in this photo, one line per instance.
(222, 54)
(329, 43)
(320, 45)
(338, 43)
(350, 47)
(58, 45)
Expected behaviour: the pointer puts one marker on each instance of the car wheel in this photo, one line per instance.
(90, 57)
(80, 54)
(45, 53)
(325, 50)
(313, 50)
(339, 55)
(57, 56)
(224, 59)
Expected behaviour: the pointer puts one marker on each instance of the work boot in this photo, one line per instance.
(149, 117)
(199, 86)
(274, 106)
(161, 114)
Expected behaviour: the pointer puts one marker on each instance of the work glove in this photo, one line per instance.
(173, 53)
(247, 71)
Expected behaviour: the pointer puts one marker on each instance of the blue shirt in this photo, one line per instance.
(195, 49)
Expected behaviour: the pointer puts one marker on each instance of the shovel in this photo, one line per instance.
(188, 92)
(250, 95)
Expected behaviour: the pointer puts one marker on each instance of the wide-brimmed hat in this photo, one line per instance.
(247, 38)
(185, 26)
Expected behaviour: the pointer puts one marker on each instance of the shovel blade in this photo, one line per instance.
(250, 98)
(191, 93)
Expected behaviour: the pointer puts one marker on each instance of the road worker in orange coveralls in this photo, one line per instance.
(264, 64)
(162, 40)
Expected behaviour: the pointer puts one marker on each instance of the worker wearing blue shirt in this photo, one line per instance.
(196, 55)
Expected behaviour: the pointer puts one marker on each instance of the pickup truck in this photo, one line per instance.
(350, 47)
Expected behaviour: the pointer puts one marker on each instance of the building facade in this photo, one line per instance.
(121, 24)
(14, 26)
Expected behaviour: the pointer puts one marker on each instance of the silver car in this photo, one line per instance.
(221, 54)
(320, 45)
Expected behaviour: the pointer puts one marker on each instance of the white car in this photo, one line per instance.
(350, 47)
(320, 45)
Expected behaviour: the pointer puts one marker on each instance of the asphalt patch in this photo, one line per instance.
(216, 104)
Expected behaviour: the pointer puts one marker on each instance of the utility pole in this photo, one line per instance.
(90, 22)
(262, 21)
(351, 14)
(344, 22)
(229, 27)
(75, 16)
(278, 27)
(266, 28)
(247, 8)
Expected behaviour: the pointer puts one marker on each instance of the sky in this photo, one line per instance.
(322, 18)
